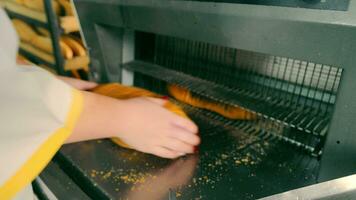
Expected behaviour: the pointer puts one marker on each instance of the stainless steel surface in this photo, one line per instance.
(342, 188)
(233, 163)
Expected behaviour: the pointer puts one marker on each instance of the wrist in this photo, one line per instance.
(104, 111)
(98, 118)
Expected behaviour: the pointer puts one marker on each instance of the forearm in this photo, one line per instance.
(143, 124)
(95, 118)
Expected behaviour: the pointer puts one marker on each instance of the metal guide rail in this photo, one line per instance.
(234, 157)
(340, 5)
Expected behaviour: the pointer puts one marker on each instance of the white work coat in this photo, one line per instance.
(37, 114)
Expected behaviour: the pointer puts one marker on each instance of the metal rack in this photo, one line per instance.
(55, 31)
(285, 109)
(264, 124)
(293, 93)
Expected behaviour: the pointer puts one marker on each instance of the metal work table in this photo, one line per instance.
(231, 164)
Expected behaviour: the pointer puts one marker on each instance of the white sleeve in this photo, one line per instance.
(37, 114)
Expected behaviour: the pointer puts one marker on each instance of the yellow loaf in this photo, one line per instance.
(43, 31)
(21, 2)
(45, 44)
(25, 31)
(67, 7)
(69, 23)
(28, 34)
(39, 5)
(67, 40)
(76, 47)
(227, 111)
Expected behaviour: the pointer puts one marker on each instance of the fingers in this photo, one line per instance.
(158, 101)
(89, 85)
(165, 153)
(178, 146)
(173, 148)
(81, 84)
(186, 124)
(85, 85)
(184, 136)
(178, 120)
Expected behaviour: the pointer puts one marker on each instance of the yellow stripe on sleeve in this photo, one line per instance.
(41, 157)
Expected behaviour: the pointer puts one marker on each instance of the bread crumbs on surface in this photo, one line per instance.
(94, 173)
(107, 175)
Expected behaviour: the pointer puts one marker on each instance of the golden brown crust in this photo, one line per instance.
(227, 111)
(76, 47)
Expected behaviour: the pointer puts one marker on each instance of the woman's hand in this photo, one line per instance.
(153, 129)
(142, 123)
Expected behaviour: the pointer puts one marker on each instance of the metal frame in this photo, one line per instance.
(325, 37)
(127, 76)
(55, 31)
(49, 185)
(341, 5)
(342, 188)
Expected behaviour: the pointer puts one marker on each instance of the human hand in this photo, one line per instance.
(77, 83)
(142, 123)
(151, 128)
